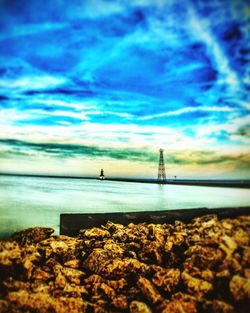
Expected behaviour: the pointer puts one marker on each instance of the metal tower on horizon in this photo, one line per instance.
(161, 169)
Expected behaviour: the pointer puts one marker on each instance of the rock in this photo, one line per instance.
(179, 303)
(196, 286)
(72, 263)
(73, 275)
(139, 307)
(240, 288)
(94, 233)
(218, 306)
(120, 302)
(167, 279)
(149, 290)
(25, 301)
(41, 275)
(32, 235)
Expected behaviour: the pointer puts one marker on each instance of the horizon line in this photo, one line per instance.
(121, 178)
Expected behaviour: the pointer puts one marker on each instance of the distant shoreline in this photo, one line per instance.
(237, 183)
(192, 182)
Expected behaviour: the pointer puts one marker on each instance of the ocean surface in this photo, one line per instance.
(38, 201)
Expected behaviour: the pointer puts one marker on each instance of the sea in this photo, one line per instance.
(27, 201)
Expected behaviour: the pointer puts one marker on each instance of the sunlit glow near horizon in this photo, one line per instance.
(91, 84)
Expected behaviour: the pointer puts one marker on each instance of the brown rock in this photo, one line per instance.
(196, 286)
(120, 302)
(24, 301)
(241, 237)
(218, 306)
(32, 235)
(14, 285)
(118, 285)
(75, 263)
(94, 233)
(139, 307)
(108, 291)
(93, 279)
(123, 268)
(177, 306)
(149, 290)
(41, 275)
(167, 279)
(61, 280)
(62, 247)
(9, 252)
(179, 303)
(240, 288)
(75, 290)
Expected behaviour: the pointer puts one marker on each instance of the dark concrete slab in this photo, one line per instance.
(70, 224)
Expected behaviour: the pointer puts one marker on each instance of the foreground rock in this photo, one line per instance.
(203, 266)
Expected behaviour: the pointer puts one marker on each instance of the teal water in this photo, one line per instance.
(31, 201)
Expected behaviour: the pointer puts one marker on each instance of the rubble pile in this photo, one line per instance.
(203, 266)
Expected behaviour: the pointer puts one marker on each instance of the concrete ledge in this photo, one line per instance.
(70, 224)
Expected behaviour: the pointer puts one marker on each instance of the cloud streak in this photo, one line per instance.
(187, 110)
(200, 158)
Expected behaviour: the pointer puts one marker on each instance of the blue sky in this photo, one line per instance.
(97, 84)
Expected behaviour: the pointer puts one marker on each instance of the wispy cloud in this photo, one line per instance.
(187, 110)
(201, 29)
(30, 29)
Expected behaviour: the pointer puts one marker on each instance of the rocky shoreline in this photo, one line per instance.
(200, 266)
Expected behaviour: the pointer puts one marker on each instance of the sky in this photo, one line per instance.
(91, 84)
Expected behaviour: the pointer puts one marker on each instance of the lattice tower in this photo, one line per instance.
(161, 169)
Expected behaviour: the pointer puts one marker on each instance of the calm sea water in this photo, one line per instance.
(30, 201)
